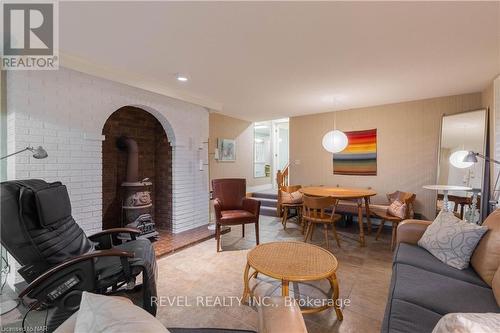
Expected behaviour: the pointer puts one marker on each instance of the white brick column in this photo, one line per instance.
(65, 111)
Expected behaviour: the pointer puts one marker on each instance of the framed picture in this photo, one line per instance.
(359, 158)
(227, 150)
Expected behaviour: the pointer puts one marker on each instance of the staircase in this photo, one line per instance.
(269, 199)
(269, 202)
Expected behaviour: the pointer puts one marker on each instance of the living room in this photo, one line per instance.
(250, 166)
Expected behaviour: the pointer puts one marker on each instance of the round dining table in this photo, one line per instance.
(358, 195)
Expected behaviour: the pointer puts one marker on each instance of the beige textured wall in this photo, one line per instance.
(487, 101)
(491, 100)
(487, 97)
(224, 127)
(407, 146)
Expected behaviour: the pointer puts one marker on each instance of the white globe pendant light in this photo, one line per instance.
(335, 141)
(457, 159)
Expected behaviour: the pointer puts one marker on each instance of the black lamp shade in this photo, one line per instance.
(471, 157)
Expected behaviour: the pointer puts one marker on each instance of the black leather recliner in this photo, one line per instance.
(59, 261)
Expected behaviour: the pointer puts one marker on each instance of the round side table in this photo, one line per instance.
(446, 189)
(294, 262)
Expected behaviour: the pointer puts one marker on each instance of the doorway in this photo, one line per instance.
(281, 146)
(271, 151)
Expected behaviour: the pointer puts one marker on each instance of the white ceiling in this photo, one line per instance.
(260, 61)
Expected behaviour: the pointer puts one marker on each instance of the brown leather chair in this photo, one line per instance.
(232, 207)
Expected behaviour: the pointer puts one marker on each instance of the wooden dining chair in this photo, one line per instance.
(314, 212)
(405, 198)
(457, 203)
(289, 198)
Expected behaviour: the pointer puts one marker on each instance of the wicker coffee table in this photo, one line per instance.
(294, 262)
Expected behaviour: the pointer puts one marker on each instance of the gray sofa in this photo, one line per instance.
(423, 289)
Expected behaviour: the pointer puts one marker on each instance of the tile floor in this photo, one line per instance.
(199, 271)
(364, 276)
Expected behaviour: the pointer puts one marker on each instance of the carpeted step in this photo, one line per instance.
(265, 195)
(264, 202)
(267, 211)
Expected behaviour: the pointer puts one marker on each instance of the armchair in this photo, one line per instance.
(232, 207)
(58, 261)
(406, 198)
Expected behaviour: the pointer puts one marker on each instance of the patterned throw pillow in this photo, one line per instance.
(291, 198)
(468, 322)
(452, 240)
(394, 196)
(398, 209)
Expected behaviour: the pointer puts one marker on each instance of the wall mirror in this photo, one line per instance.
(461, 133)
(262, 149)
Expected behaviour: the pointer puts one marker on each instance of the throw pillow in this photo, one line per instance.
(99, 313)
(398, 209)
(291, 198)
(495, 284)
(468, 322)
(394, 196)
(451, 240)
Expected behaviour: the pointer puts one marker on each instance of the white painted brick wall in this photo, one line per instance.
(65, 111)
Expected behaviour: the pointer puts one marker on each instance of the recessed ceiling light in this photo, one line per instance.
(182, 78)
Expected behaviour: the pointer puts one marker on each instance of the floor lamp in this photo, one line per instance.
(472, 157)
(9, 304)
(38, 152)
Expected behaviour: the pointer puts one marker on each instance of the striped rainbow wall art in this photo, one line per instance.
(359, 158)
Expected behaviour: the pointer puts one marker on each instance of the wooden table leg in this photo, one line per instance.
(308, 227)
(246, 282)
(360, 222)
(301, 220)
(285, 217)
(368, 213)
(394, 235)
(335, 295)
(284, 288)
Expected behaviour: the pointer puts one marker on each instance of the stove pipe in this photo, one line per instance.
(130, 146)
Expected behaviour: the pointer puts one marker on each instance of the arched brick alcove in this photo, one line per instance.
(155, 163)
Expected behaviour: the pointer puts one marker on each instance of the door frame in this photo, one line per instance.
(275, 147)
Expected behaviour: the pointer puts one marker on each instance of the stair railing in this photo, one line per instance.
(281, 180)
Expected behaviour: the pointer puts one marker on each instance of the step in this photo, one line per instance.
(264, 202)
(265, 195)
(268, 211)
